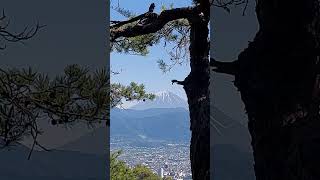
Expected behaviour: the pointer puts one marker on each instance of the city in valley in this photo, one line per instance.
(154, 133)
(165, 158)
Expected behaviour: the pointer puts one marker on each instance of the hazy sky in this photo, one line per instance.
(144, 69)
(230, 34)
(75, 33)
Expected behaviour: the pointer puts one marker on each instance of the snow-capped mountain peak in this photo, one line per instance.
(163, 93)
(163, 99)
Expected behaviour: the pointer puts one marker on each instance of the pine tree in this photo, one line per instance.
(78, 95)
(278, 78)
(187, 28)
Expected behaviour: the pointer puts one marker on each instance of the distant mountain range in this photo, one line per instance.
(164, 118)
(231, 153)
(151, 124)
(84, 155)
(62, 165)
(94, 142)
(226, 130)
(80, 153)
(163, 99)
(167, 118)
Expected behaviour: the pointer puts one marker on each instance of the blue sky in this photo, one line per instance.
(144, 69)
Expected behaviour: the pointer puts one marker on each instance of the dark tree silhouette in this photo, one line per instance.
(28, 97)
(278, 78)
(7, 35)
(78, 95)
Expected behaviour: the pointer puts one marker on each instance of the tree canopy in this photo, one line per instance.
(77, 95)
(120, 170)
(187, 29)
(28, 97)
(172, 36)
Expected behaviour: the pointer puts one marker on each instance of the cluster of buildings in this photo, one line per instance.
(165, 172)
(165, 159)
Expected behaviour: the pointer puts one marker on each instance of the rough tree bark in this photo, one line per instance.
(278, 78)
(196, 84)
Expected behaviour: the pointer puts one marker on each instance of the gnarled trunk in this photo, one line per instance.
(196, 86)
(276, 76)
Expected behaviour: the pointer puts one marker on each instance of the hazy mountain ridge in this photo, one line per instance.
(164, 118)
(163, 99)
(171, 123)
(56, 164)
(94, 142)
(230, 146)
(156, 124)
(164, 112)
(226, 130)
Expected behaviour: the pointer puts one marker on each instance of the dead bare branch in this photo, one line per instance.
(8, 36)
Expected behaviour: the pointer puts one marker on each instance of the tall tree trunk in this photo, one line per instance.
(276, 76)
(196, 86)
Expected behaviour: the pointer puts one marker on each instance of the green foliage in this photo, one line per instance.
(131, 92)
(77, 95)
(163, 7)
(120, 171)
(144, 173)
(167, 178)
(174, 37)
(124, 12)
(136, 45)
(28, 96)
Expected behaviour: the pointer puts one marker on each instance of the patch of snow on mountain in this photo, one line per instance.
(163, 99)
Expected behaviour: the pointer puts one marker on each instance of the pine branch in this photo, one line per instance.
(155, 25)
